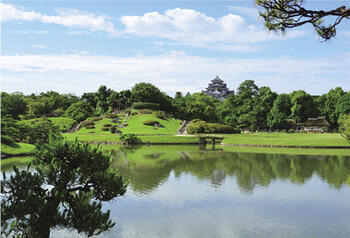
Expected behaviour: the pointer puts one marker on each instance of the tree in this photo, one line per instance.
(13, 104)
(65, 190)
(280, 111)
(345, 127)
(343, 105)
(302, 106)
(329, 109)
(101, 97)
(79, 111)
(280, 15)
(145, 92)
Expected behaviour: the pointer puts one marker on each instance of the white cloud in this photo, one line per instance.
(68, 18)
(40, 46)
(172, 71)
(197, 29)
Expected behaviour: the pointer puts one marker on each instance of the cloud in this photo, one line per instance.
(68, 18)
(40, 46)
(194, 28)
(171, 71)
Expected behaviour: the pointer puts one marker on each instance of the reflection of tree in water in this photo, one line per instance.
(249, 169)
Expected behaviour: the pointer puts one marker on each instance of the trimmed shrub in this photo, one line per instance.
(110, 115)
(105, 128)
(130, 139)
(87, 123)
(90, 127)
(113, 129)
(284, 131)
(6, 140)
(198, 126)
(145, 111)
(161, 115)
(150, 122)
(291, 131)
(95, 119)
(107, 125)
(145, 105)
(133, 113)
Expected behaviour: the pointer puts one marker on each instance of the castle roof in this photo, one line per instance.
(217, 80)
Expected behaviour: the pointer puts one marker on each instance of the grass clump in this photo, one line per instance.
(145, 111)
(63, 123)
(150, 122)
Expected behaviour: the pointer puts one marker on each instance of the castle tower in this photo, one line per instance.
(217, 89)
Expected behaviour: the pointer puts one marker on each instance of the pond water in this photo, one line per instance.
(187, 192)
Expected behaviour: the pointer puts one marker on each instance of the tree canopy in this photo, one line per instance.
(64, 190)
(280, 15)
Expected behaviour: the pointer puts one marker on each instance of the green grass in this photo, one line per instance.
(64, 123)
(17, 149)
(297, 139)
(98, 127)
(7, 164)
(136, 126)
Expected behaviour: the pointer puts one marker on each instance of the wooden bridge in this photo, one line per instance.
(213, 139)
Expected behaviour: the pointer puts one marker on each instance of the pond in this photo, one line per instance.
(185, 191)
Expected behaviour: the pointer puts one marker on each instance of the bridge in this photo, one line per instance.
(213, 139)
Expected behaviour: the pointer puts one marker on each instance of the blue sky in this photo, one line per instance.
(76, 46)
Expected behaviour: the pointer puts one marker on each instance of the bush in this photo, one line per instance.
(107, 125)
(130, 139)
(133, 113)
(291, 131)
(90, 127)
(198, 126)
(79, 111)
(87, 123)
(95, 119)
(146, 105)
(105, 128)
(150, 122)
(110, 115)
(284, 131)
(6, 140)
(145, 111)
(113, 129)
(161, 115)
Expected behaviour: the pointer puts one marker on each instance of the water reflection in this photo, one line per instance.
(149, 167)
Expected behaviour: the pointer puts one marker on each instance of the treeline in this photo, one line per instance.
(253, 107)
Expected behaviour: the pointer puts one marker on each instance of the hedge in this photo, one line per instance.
(87, 123)
(145, 111)
(198, 126)
(150, 122)
(145, 105)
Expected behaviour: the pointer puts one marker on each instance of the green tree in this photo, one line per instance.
(101, 98)
(303, 106)
(345, 127)
(280, 15)
(79, 111)
(343, 105)
(64, 190)
(13, 104)
(329, 110)
(280, 112)
(146, 92)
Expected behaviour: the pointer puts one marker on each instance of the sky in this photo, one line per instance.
(75, 46)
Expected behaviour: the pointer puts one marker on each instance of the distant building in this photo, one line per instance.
(319, 124)
(217, 89)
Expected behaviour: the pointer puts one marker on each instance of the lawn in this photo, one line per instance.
(136, 126)
(17, 149)
(64, 123)
(296, 139)
(7, 164)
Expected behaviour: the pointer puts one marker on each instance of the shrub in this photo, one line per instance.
(105, 128)
(145, 105)
(90, 127)
(291, 131)
(110, 115)
(284, 131)
(198, 126)
(113, 129)
(133, 113)
(145, 111)
(79, 111)
(130, 139)
(95, 119)
(161, 115)
(107, 125)
(6, 140)
(150, 122)
(87, 123)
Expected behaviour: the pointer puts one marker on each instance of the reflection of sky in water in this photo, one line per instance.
(184, 206)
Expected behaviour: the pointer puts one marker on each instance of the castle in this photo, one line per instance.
(217, 89)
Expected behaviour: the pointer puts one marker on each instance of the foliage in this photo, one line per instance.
(145, 105)
(107, 125)
(343, 105)
(130, 139)
(345, 127)
(37, 130)
(150, 122)
(90, 127)
(105, 129)
(87, 123)
(280, 111)
(113, 129)
(7, 140)
(329, 109)
(280, 15)
(64, 190)
(94, 118)
(161, 115)
(110, 115)
(9, 130)
(303, 106)
(198, 126)
(145, 111)
(79, 111)
(12, 104)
